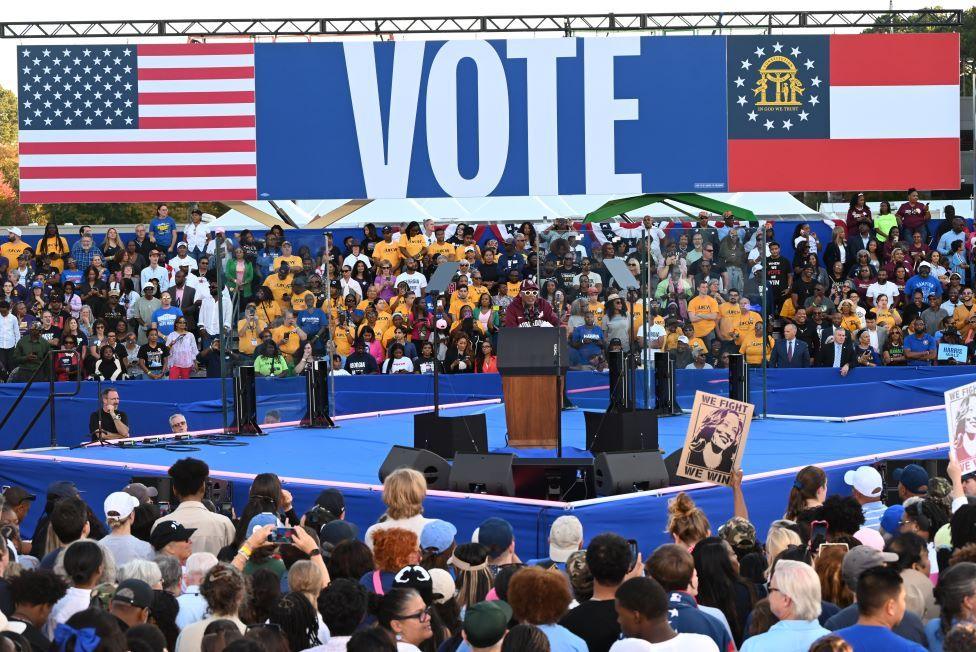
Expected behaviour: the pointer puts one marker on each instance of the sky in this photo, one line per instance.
(107, 10)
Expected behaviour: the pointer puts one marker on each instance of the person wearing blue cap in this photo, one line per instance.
(891, 521)
(437, 543)
(497, 535)
(912, 480)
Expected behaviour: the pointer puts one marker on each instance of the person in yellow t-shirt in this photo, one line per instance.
(387, 335)
(412, 242)
(54, 245)
(249, 331)
(462, 297)
(387, 250)
(289, 337)
(14, 246)
(267, 308)
(703, 312)
(440, 247)
(594, 305)
(729, 314)
(963, 312)
(747, 319)
(671, 335)
(848, 318)
(300, 297)
(694, 342)
(294, 262)
(280, 285)
(341, 336)
(751, 345)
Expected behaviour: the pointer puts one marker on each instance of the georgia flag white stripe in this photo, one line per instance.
(195, 85)
(157, 183)
(868, 112)
(183, 110)
(198, 61)
(133, 135)
(190, 158)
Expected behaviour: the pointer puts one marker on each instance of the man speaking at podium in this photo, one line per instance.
(527, 309)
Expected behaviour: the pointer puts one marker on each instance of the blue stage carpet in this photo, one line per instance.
(312, 459)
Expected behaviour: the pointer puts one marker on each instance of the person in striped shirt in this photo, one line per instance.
(868, 489)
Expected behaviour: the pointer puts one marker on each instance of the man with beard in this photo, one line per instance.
(920, 346)
(528, 309)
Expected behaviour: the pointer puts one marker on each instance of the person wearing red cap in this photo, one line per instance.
(528, 309)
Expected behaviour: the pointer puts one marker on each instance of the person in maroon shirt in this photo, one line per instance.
(528, 307)
(914, 216)
(918, 249)
(859, 211)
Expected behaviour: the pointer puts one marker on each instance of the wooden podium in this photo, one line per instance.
(532, 383)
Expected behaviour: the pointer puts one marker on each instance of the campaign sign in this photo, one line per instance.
(716, 438)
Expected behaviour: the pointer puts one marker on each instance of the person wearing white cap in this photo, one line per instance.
(120, 513)
(565, 538)
(867, 487)
(14, 247)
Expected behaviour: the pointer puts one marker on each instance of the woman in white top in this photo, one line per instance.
(83, 563)
(404, 491)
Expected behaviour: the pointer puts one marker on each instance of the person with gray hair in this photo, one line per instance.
(171, 571)
(141, 569)
(177, 423)
(794, 598)
(193, 607)
(956, 595)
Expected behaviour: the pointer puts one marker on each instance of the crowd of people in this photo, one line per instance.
(155, 569)
(887, 289)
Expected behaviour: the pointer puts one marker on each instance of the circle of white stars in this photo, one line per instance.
(812, 100)
(88, 86)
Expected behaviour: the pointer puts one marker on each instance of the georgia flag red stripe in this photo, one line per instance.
(876, 164)
(894, 60)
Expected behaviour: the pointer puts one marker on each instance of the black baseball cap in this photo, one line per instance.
(332, 500)
(17, 495)
(134, 592)
(168, 532)
(335, 532)
(62, 488)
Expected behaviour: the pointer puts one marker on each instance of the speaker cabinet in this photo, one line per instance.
(622, 473)
(448, 436)
(561, 479)
(671, 464)
(489, 473)
(621, 391)
(612, 431)
(245, 402)
(738, 378)
(435, 469)
(665, 393)
(317, 395)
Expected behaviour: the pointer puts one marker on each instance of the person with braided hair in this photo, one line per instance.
(298, 620)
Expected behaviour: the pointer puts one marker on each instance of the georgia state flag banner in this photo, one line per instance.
(487, 118)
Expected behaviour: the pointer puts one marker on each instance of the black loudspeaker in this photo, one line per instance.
(448, 436)
(671, 464)
(317, 395)
(621, 391)
(483, 474)
(738, 378)
(623, 473)
(162, 483)
(611, 431)
(221, 494)
(664, 385)
(435, 469)
(245, 402)
(562, 479)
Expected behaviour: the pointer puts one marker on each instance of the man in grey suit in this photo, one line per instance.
(879, 334)
(789, 352)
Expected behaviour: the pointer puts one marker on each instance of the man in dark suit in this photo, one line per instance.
(184, 298)
(838, 353)
(790, 352)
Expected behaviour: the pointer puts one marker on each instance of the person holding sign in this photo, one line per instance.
(716, 438)
(716, 443)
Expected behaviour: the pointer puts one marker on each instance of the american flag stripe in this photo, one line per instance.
(194, 137)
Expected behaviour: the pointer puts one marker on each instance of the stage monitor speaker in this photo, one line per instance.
(664, 385)
(317, 395)
(245, 402)
(621, 392)
(448, 436)
(560, 479)
(488, 473)
(435, 469)
(738, 378)
(627, 472)
(611, 431)
(221, 494)
(161, 483)
(671, 464)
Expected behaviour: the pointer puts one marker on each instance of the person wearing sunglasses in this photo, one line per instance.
(529, 309)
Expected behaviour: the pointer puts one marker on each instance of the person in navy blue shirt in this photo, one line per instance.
(587, 341)
(313, 321)
(920, 347)
(162, 229)
(880, 607)
(674, 569)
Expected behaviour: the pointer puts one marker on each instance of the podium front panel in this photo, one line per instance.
(531, 351)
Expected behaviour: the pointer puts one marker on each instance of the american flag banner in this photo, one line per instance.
(123, 123)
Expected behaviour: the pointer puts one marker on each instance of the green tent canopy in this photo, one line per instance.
(616, 207)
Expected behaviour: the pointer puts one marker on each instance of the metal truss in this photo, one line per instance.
(565, 24)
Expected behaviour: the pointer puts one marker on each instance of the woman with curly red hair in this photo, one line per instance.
(541, 597)
(393, 549)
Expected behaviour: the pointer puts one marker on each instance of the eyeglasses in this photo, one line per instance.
(422, 616)
(530, 293)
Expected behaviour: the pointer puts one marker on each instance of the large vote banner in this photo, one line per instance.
(469, 118)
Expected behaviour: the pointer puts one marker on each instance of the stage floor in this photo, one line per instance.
(353, 452)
